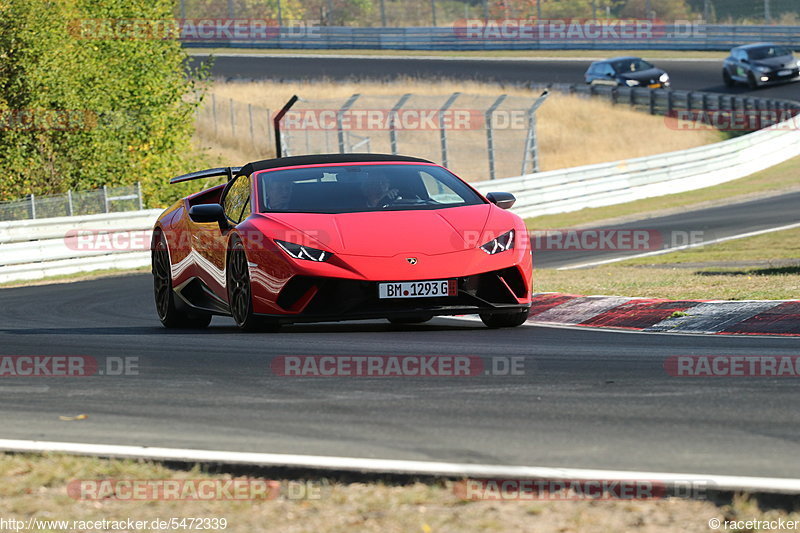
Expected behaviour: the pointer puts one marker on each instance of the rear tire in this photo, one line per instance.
(172, 312)
(240, 297)
(410, 320)
(505, 320)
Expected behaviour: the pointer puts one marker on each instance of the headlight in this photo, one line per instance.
(500, 244)
(299, 251)
(761, 68)
(631, 83)
(664, 78)
(798, 63)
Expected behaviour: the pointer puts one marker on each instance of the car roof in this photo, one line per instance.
(324, 159)
(756, 45)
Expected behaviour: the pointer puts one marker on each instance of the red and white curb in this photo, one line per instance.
(747, 317)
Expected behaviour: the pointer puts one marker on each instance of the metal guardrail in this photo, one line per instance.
(682, 36)
(34, 249)
(604, 184)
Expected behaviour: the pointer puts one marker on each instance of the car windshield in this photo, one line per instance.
(362, 187)
(631, 65)
(765, 52)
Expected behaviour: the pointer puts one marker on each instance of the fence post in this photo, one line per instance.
(689, 101)
(33, 206)
(233, 118)
(214, 112)
(632, 96)
(490, 133)
(250, 116)
(339, 114)
(69, 202)
(614, 94)
(669, 103)
(652, 102)
(392, 118)
(531, 144)
(442, 130)
(139, 193)
(270, 137)
(105, 197)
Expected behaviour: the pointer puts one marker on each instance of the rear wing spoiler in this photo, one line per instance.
(230, 172)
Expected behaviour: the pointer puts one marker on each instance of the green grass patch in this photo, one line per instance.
(783, 177)
(78, 276)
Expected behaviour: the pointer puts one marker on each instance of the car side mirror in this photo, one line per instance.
(209, 213)
(503, 200)
(745, 60)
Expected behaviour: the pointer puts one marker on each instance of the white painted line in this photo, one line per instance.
(684, 247)
(431, 58)
(733, 483)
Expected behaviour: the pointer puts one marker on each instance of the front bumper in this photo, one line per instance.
(773, 77)
(316, 299)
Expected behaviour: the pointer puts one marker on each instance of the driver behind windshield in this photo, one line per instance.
(376, 191)
(279, 192)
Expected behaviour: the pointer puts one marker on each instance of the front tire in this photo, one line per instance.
(751, 81)
(505, 320)
(726, 77)
(240, 297)
(172, 312)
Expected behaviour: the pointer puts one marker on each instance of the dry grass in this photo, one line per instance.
(674, 283)
(35, 486)
(572, 131)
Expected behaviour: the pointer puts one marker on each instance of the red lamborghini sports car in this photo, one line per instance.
(340, 237)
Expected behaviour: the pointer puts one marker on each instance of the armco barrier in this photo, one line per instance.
(34, 249)
(571, 189)
(689, 35)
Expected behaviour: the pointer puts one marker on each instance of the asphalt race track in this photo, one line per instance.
(588, 399)
(698, 75)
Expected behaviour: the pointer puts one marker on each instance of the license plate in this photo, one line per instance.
(784, 72)
(418, 289)
(654, 86)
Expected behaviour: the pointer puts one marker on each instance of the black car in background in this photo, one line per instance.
(627, 72)
(760, 64)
